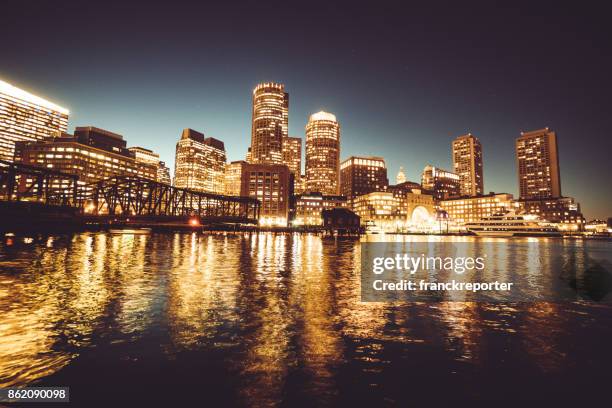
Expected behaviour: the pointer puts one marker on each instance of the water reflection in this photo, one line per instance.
(279, 314)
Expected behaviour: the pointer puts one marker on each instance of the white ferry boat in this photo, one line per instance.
(512, 224)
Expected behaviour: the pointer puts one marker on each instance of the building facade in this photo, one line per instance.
(441, 183)
(143, 155)
(563, 211)
(199, 163)
(322, 153)
(362, 175)
(272, 185)
(380, 210)
(292, 155)
(472, 209)
(467, 164)
(270, 124)
(92, 154)
(309, 207)
(537, 160)
(233, 178)
(25, 117)
(163, 173)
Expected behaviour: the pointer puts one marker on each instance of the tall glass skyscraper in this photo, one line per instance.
(322, 153)
(270, 123)
(27, 117)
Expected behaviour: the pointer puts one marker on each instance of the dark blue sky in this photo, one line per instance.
(403, 79)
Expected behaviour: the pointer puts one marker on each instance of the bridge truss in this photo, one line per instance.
(134, 196)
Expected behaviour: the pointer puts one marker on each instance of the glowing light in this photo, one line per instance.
(323, 116)
(194, 222)
(15, 92)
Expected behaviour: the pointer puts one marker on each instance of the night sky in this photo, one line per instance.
(403, 80)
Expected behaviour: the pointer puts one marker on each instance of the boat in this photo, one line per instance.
(129, 231)
(512, 224)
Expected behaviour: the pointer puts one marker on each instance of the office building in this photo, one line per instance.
(292, 155)
(467, 164)
(472, 209)
(199, 163)
(143, 155)
(27, 118)
(362, 175)
(233, 178)
(322, 153)
(299, 184)
(441, 183)
(270, 123)
(563, 211)
(309, 207)
(163, 173)
(380, 211)
(272, 185)
(92, 154)
(537, 161)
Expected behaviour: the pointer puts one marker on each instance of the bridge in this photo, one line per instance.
(136, 197)
(32, 190)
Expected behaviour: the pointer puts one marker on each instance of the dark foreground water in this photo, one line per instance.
(266, 320)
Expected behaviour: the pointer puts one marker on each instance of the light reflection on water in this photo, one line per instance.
(277, 317)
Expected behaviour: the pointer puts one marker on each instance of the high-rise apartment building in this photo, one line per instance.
(322, 153)
(362, 175)
(270, 123)
(143, 155)
(271, 185)
(199, 163)
(467, 164)
(292, 155)
(441, 183)
(27, 117)
(537, 161)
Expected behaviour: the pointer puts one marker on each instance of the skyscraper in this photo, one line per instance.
(467, 164)
(537, 161)
(362, 175)
(322, 153)
(199, 163)
(270, 123)
(27, 117)
(292, 155)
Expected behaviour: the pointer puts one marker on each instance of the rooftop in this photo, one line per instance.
(15, 92)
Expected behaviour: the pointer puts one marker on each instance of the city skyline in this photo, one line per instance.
(398, 92)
